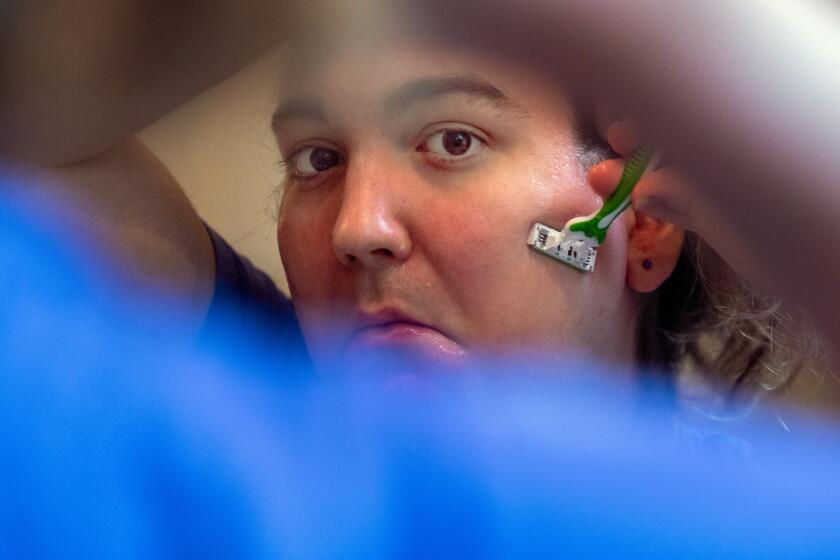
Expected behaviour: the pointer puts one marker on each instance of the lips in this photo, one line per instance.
(396, 335)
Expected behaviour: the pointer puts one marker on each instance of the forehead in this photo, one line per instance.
(351, 73)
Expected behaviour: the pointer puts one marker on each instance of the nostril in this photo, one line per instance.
(369, 258)
(385, 253)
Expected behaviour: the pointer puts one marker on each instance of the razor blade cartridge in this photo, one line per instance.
(574, 250)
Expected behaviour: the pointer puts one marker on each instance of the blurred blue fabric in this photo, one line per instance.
(120, 440)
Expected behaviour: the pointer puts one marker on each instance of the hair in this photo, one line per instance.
(706, 323)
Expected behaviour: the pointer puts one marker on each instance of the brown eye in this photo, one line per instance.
(322, 159)
(452, 145)
(456, 142)
(311, 161)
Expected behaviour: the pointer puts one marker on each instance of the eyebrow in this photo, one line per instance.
(432, 88)
(303, 108)
(403, 98)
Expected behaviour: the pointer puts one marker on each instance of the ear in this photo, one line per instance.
(653, 249)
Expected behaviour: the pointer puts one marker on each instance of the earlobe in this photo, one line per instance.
(653, 250)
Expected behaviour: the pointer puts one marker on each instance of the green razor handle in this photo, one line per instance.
(596, 226)
(577, 244)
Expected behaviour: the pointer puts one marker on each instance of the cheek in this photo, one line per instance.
(304, 233)
(560, 191)
(509, 295)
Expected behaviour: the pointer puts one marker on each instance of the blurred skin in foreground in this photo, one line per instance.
(78, 77)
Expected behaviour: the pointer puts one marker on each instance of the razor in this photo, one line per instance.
(577, 243)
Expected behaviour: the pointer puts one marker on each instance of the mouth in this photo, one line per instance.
(398, 336)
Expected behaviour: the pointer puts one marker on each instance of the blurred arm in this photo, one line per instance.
(77, 77)
(124, 209)
(78, 80)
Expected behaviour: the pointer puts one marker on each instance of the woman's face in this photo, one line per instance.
(414, 178)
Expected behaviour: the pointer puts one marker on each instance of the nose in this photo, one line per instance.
(369, 230)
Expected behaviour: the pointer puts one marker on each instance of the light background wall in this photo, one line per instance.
(220, 148)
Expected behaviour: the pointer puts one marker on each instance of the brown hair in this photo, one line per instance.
(705, 322)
